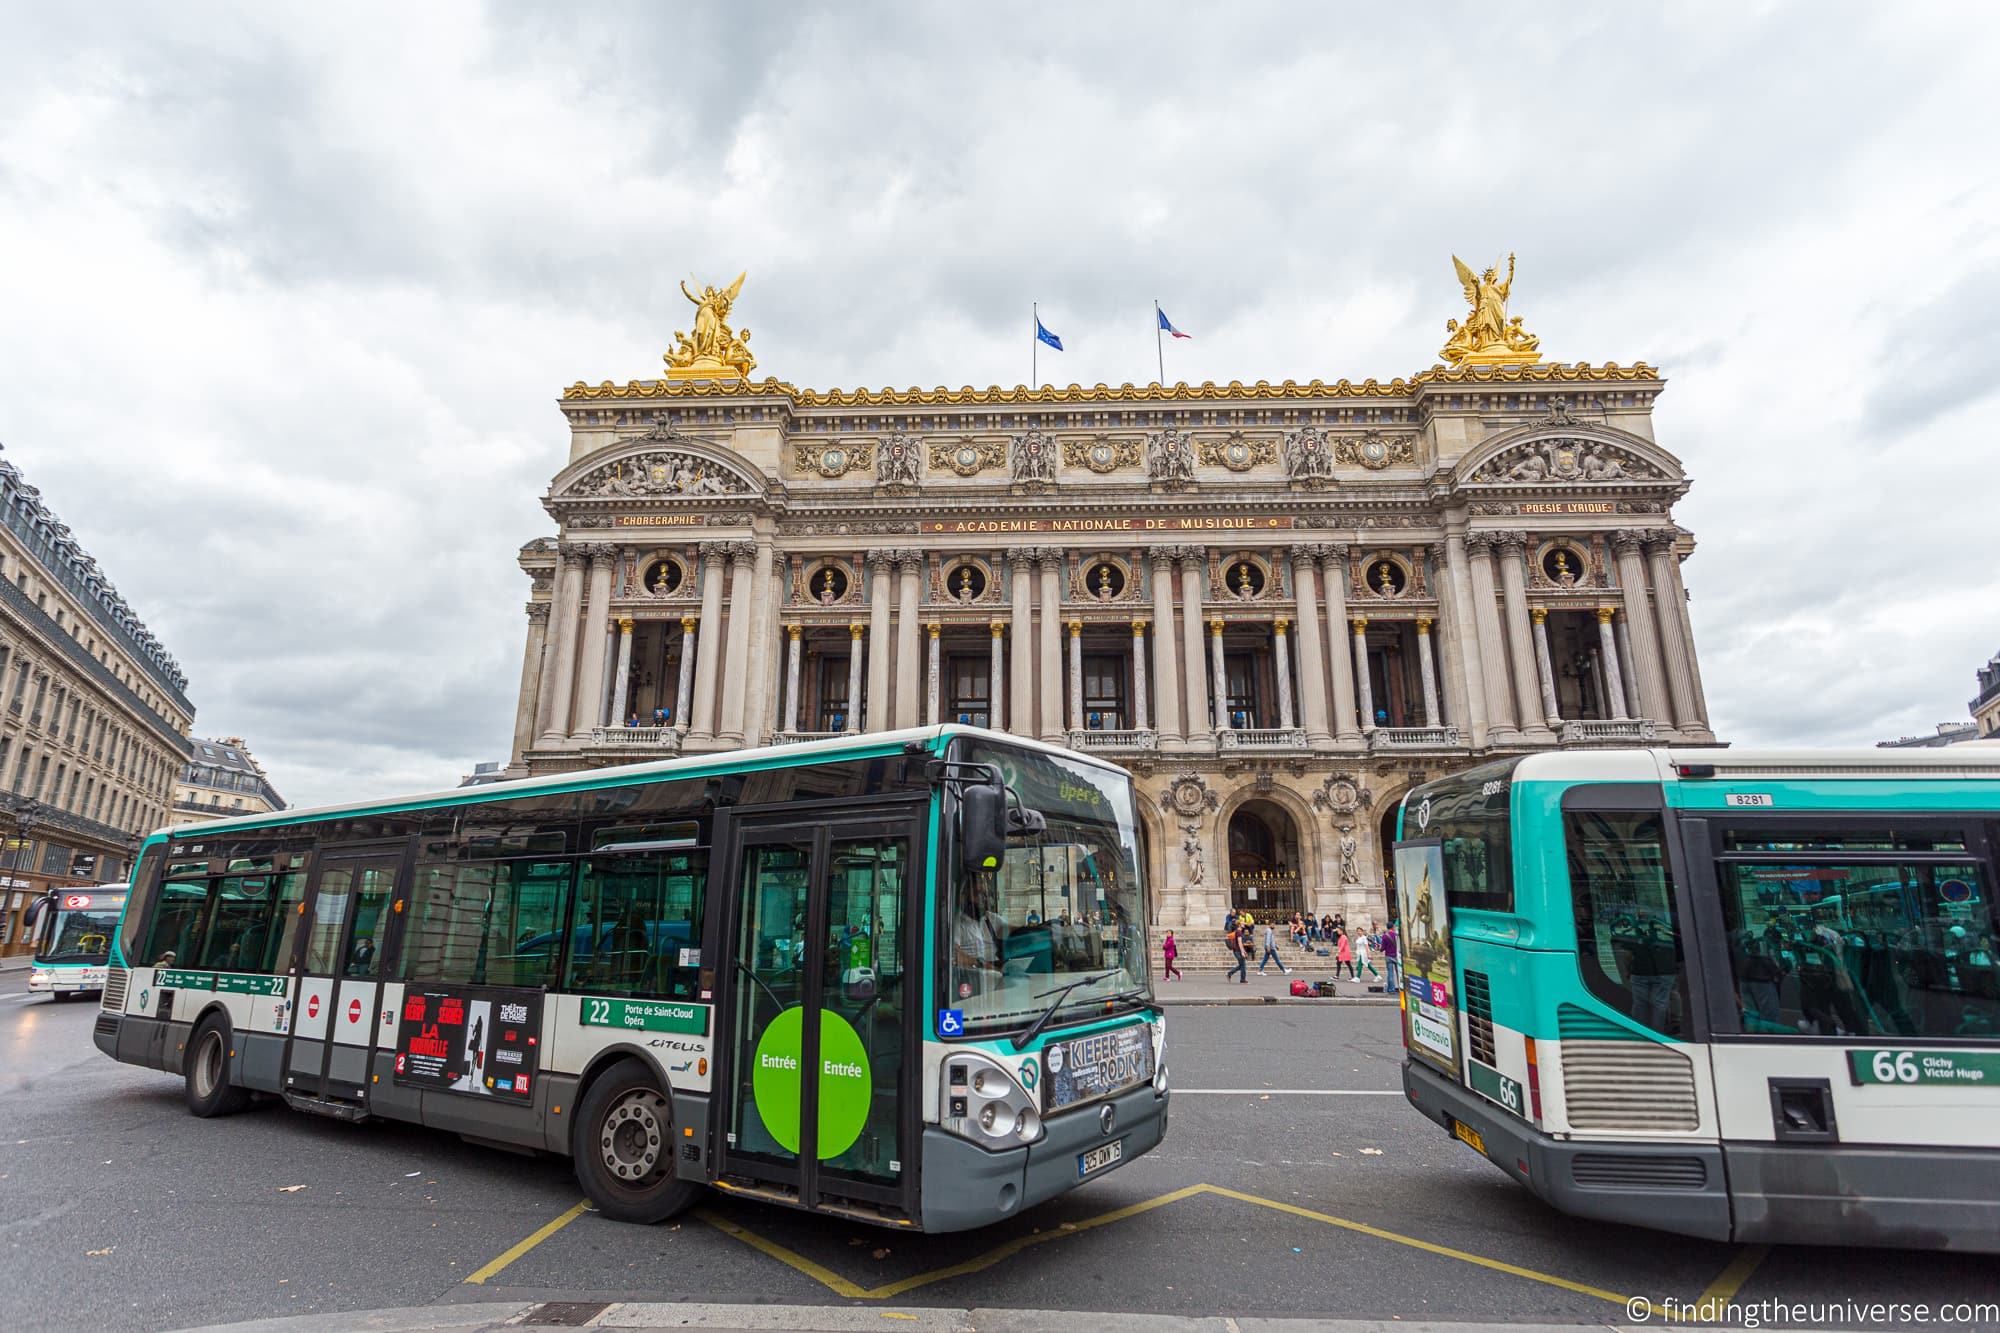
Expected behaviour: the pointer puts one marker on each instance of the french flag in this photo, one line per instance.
(1167, 325)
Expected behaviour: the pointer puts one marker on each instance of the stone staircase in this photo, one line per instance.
(1202, 950)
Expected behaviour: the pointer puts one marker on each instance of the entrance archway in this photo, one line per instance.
(1264, 859)
(1386, 833)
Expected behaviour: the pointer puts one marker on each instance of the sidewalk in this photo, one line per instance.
(1274, 987)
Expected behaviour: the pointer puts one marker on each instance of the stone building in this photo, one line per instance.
(95, 720)
(1279, 605)
(1985, 705)
(221, 780)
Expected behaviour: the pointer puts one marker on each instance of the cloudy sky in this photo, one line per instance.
(288, 292)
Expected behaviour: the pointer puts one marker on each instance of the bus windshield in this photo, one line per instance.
(81, 934)
(1067, 905)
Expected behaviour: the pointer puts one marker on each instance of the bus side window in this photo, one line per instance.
(634, 915)
(487, 923)
(284, 934)
(240, 927)
(177, 934)
(145, 886)
(1628, 937)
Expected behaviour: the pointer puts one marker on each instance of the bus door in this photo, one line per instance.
(817, 977)
(347, 910)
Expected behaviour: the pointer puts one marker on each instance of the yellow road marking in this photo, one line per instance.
(1723, 1290)
(539, 1235)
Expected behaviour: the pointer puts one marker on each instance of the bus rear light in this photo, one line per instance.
(1534, 1087)
(1695, 770)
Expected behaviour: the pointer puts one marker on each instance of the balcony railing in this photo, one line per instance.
(800, 737)
(1412, 738)
(654, 739)
(1260, 738)
(1115, 740)
(1607, 731)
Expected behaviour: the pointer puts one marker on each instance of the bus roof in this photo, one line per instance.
(860, 744)
(1969, 759)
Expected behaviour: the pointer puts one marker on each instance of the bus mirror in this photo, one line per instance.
(982, 825)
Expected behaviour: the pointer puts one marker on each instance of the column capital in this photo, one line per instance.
(1423, 624)
(1437, 550)
(538, 612)
(714, 553)
(1161, 555)
(1538, 614)
(1075, 628)
(793, 630)
(1138, 626)
(856, 628)
(934, 627)
(687, 624)
(1215, 627)
(909, 560)
(1627, 541)
(1330, 552)
(998, 628)
(1662, 542)
(740, 553)
(1481, 542)
(1605, 613)
(624, 624)
(1190, 557)
(1280, 625)
(1360, 624)
(1049, 558)
(596, 550)
(1306, 552)
(1509, 543)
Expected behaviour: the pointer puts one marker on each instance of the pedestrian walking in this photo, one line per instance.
(1170, 951)
(1235, 937)
(1270, 951)
(1343, 953)
(1361, 956)
(1393, 977)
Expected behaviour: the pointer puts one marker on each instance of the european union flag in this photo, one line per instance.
(1043, 335)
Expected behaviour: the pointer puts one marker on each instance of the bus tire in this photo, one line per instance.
(59, 996)
(209, 1092)
(623, 1147)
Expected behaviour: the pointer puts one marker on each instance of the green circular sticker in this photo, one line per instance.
(845, 1084)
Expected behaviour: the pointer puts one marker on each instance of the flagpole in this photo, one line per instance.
(1156, 344)
(1034, 337)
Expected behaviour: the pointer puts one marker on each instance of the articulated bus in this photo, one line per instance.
(1746, 995)
(635, 967)
(72, 929)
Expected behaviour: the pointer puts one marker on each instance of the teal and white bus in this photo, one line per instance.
(72, 926)
(1740, 994)
(633, 966)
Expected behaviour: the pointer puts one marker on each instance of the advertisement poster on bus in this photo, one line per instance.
(1430, 1012)
(478, 1043)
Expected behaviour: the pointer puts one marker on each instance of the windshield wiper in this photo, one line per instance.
(1059, 992)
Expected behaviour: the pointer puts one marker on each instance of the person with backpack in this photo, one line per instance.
(1170, 951)
(1235, 935)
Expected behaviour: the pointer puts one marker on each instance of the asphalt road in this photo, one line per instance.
(1315, 1191)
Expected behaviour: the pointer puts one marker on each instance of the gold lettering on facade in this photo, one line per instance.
(1206, 522)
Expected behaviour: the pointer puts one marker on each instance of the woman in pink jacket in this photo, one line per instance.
(1343, 955)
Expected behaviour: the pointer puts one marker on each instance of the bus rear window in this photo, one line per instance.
(1478, 854)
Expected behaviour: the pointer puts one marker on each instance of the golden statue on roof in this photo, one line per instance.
(1488, 337)
(714, 351)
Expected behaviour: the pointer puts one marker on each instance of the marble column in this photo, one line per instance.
(1281, 665)
(761, 697)
(621, 676)
(1049, 563)
(684, 690)
(876, 709)
(1465, 681)
(996, 696)
(1220, 672)
(908, 689)
(1166, 670)
(854, 676)
(1509, 550)
(604, 716)
(1639, 627)
(1139, 721)
(1607, 662)
(931, 676)
(559, 677)
(708, 646)
(1312, 661)
(532, 672)
(1634, 705)
(1021, 663)
(1200, 723)
(791, 679)
(1676, 648)
(1363, 685)
(1427, 662)
(736, 665)
(596, 613)
(1339, 656)
(1545, 668)
(1680, 599)
(1076, 675)
(1491, 647)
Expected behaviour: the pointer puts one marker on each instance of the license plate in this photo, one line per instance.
(1098, 1158)
(1469, 1135)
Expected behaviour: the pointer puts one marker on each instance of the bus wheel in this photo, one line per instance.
(59, 996)
(208, 1088)
(624, 1147)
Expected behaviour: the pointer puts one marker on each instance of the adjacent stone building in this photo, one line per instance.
(1280, 605)
(222, 780)
(94, 713)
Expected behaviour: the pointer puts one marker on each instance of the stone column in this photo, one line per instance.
(996, 696)
(604, 688)
(1281, 662)
(1339, 656)
(791, 678)
(1139, 675)
(1634, 706)
(1544, 668)
(1076, 675)
(1200, 723)
(596, 613)
(1509, 549)
(1049, 561)
(1607, 661)
(931, 677)
(1021, 666)
(854, 676)
(1312, 662)
(1220, 673)
(526, 707)
(736, 666)
(1687, 637)
(1166, 670)
(1639, 628)
(621, 676)
(1427, 661)
(1464, 681)
(877, 709)
(1491, 648)
(707, 663)
(1362, 684)
(908, 688)
(760, 703)
(1679, 652)
(684, 691)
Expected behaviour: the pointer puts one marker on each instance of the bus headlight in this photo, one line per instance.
(982, 1102)
(1160, 1079)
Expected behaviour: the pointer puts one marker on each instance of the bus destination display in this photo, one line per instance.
(480, 1044)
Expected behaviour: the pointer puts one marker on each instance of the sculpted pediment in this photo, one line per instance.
(665, 461)
(1568, 455)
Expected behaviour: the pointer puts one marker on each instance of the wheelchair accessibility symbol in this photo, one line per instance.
(951, 1022)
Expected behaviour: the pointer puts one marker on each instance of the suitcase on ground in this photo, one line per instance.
(1326, 988)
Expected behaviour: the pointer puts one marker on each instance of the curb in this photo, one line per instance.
(1214, 1001)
